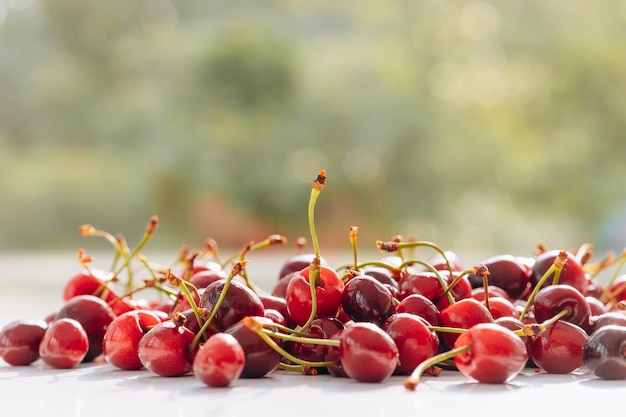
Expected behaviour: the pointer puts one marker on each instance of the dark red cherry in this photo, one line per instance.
(365, 343)
(572, 273)
(604, 354)
(415, 341)
(121, 340)
(260, 358)
(64, 344)
(94, 315)
(497, 354)
(328, 292)
(460, 289)
(421, 306)
(165, 349)
(610, 317)
(505, 272)
(321, 328)
(19, 341)
(297, 263)
(438, 261)
(559, 348)
(463, 314)
(239, 302)
(553, 299)
(219, 361)
(205, 277)
(89, 283)
(366, 299)
(425, 283)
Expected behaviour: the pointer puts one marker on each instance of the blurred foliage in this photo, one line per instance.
(483, 126)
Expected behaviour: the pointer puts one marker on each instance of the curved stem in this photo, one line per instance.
(555, 268)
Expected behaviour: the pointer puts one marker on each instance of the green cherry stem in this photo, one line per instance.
(605, 297)
(413, 380)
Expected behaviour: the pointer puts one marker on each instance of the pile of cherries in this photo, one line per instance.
(401, 314)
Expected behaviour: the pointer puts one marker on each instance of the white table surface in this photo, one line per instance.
(98, 389)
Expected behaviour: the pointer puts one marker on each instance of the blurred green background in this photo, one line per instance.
(483, 126)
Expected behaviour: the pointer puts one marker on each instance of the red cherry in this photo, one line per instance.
(415, 341)
(572, 274)
(462, 315)
(19, 341)
(367, 344)
(164, 349)
(328, 293)
(238, 302)
(261, 359)
(421, 306)
(604, 354)
(559, 348)
(121, 340)
(366, 299)
(90, 283)
(551, 300)
(94, 315)
(496, 356)
(64, 345)
(219, 361)
(507, 273)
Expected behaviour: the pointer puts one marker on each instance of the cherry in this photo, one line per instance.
(496, 355)
(551, 300)
(120, 344)
(91, 283)
(204, 277)
(559, 348)
(260, 358)
(603, 319)
(572, 273)
(219, 361)
(322, 328)
(365, 343)
(415, 341)
(64, 344)
(421, 306)
(492, 291)
(463, 314)
(280, 287)
(438, 261)
(604, 354)
(383, 275)
(19, 341)
(297, 263)
(425, 283)
(501, 307)
(505, 272)
(165, 349)
(94, 315)
(238, 302)
(328, 293)
(367, 299)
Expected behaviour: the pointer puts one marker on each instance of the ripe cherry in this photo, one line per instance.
(94, 315)
(64, 345)
(572, 274)
(366, 299)
(219, 361)
(551, 300)
(505, 272)
(238, 302)
(19, 341)
(365, 343)
(421, 306)
(462, 315)
(90, 283)
(559, 348)
(604, 354)
(165, 349)
(260, 358)
(415, 341)
(496, 356)
(328, 292)
(120, 344)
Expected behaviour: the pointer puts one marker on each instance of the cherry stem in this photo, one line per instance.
(414, 379)
(184, 286)
(267, 335)
(354, 231)
(555, 268)
(606, 295)
(393, 246)
(236, 270)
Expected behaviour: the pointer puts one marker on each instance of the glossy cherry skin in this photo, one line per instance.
(559, 348)
(421, 306)
(94, 315)
(552, 299)
(572, 273)
(425, 283)
(332, 355)
(219, 361)
(240, 301)
(64, 345)
(89, 283)
(260, 358)
(604, 354)
(321, 328)
(365, 343)
(496, 356)
(121, 340)
(366, 299)
(19, 341)
(461, 289)
(438, 261)
(505, 272)
(165, 349)
(502, 307)
(601, 320)
(328, 294)
(297, 263)
(415, 341)
(618, 289)
(205, 277)
(462, 315)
